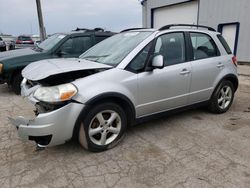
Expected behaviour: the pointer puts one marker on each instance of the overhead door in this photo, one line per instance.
(185, 13)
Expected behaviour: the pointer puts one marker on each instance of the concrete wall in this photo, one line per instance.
(212, 13)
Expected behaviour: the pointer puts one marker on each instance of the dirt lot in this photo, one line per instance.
(191, 149)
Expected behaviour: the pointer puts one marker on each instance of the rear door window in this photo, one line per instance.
(203, 46)
(81, 44)
(76, 45)
(100, 38)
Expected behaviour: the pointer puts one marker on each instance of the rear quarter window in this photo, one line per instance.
(224, 44)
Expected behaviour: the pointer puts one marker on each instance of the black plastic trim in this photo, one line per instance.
(112, 95)
(231, 76)
(42, 140)
(186, 25)
(169, 112)
(132, 29)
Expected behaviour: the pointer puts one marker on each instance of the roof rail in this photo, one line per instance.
(99, 29)
(131, 29)
(84, 29)
(188, 25)
(80, 29)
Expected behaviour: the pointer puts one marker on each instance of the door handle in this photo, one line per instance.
(220, 65)
(184, 72)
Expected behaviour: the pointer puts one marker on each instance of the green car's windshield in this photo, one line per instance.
(114, 49)
(50, 42)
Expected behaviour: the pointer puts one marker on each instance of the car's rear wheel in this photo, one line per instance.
(16, 83)
(103, 127)
(222, 98)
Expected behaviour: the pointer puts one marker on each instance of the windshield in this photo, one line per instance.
(114, 49)
(51, 41)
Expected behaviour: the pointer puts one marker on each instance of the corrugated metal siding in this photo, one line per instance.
(212, 13)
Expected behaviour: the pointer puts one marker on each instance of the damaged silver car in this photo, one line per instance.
(124, 80)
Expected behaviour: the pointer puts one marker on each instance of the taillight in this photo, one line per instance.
(234, 59)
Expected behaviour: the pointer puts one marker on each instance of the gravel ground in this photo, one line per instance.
(190, 149)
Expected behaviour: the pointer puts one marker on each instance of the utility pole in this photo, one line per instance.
(40, 20)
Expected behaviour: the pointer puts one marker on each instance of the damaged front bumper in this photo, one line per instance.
(52, 128)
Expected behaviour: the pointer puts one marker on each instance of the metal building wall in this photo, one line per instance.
(151, 4)
(213, 13)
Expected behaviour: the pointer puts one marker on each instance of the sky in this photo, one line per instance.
(20, 16)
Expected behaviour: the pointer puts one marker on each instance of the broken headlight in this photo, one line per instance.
(55, 94)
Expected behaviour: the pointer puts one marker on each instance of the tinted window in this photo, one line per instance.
(81, 44)
(76, 45)
(203, 46)
(224, 44)
(24, 38)
(172, 47)
(138, 63)
(1, 38)
(67, 46)
(100, 38)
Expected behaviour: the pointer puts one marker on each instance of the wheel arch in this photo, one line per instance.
(118, 98)
(230, 77)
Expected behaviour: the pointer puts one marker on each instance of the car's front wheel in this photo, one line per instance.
(16, 83)
(103, 127)
(222, 98)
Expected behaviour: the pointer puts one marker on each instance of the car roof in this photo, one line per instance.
(87, 33)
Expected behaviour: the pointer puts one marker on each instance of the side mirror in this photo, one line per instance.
(61, 53)
(157, 62)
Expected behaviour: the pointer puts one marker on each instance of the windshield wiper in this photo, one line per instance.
(37, 48)
(95, 56)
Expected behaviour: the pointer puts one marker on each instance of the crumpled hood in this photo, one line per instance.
(45, 68)
(16, 53)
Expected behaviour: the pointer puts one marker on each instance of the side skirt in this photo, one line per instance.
(170, 112)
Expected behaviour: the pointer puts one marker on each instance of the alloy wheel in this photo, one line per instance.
(105, 127)
(225, 97)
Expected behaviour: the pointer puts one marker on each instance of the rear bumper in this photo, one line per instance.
(24, 45)
(57, 125)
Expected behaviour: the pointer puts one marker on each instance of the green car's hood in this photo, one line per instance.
(16, 53)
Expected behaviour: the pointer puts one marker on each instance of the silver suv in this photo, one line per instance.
(125, 79)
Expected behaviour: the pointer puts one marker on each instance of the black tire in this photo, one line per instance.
(87, 121)
(16, 83)
(217, 107)
(3, 49)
